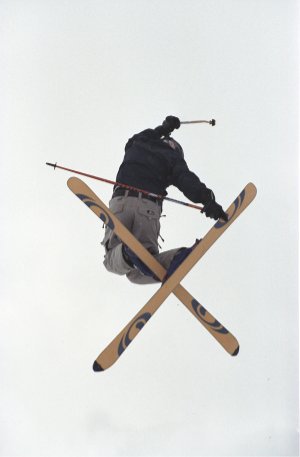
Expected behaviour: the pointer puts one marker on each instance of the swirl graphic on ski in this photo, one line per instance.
(112, 352)
(202, 313)
(136, 326)
(102, 214)
(236, 204)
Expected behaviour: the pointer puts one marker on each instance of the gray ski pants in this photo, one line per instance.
(141, 217)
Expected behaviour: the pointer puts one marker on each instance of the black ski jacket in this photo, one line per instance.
(153, 163)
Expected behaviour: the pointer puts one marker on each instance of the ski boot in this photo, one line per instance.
(177, 260)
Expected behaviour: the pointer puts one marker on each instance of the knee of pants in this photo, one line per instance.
(114, 261)
(136, 277)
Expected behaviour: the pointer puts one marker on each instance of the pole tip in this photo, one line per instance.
(52, 164)
(213, 122)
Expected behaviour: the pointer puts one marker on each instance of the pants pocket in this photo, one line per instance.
(116, 206)
(149, 209)
(147, 224)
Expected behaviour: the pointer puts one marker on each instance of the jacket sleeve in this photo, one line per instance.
(189, 183)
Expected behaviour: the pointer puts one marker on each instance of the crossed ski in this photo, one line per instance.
(113, 351)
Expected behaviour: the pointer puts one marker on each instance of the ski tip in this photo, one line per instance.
(72, 182)
(236, 351)
(253, 188)
(97, 367)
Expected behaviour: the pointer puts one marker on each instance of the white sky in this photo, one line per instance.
(78, 78)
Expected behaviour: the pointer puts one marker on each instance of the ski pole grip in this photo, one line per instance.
(212, 122)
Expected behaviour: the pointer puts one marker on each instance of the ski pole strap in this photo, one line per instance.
(126, 186)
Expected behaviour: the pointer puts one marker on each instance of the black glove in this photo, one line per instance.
(171, 123)
(215, 211)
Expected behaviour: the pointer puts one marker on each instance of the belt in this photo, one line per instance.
(119, 192)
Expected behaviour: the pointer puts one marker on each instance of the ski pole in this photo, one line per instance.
(126, 186)
(212, 122)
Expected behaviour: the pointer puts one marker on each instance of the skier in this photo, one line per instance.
(153, 161)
